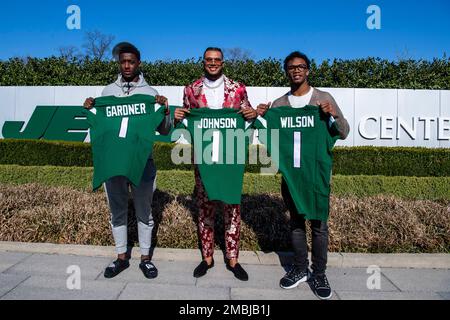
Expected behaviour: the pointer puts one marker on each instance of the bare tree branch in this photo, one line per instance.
(97, 44)
(69, 52)
(237, 54)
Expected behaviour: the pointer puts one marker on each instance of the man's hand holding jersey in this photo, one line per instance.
(248, 113)
(180, 114)
(262, 108)
(327, 108)
(163, 101)
(89, 103)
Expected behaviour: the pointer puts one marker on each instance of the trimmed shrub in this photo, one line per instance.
(42, 152)
(182, 182)
(387, 161)
(358, 73)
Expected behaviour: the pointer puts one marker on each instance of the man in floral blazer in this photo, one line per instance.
(216, 91)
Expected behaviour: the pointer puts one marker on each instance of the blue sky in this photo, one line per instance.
(167, 30)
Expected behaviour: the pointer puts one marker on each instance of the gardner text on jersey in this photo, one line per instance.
(125, 110)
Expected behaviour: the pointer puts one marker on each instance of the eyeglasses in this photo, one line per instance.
(301, 67)
(209, 60)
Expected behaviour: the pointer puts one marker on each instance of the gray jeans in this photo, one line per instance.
(117, 190)
(319, 232)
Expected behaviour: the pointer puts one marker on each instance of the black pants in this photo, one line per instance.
(319, 230)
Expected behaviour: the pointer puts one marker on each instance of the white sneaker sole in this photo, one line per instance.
(324, 298)
(304, 279)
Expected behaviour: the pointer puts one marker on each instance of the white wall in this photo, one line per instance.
(380, 117)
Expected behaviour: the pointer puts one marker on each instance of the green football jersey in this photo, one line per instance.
(122, 131)
(220, 139)
(300, 142)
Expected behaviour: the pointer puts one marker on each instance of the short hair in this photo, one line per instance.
(296, 54)
(125, 47)
(212, 49)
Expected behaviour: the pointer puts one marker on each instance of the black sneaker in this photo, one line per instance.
(321, 287)
(294, 277)
(238, 271)
(202, 268)
(148, 269)
(116, 267)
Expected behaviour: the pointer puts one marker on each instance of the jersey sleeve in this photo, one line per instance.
(158, 108)
(182, 124)
(90, 116)
(150, 99)
(260, 123)
(248, 125)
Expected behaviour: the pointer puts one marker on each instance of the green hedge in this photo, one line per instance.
(395, 161)
(182, 182)
(386, 161)
(42, 152)
(359, 73)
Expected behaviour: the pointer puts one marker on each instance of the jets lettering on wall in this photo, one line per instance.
(50, 123)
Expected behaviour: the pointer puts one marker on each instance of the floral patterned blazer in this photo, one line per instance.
(235, 95)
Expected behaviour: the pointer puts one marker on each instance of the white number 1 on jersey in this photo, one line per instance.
(215, 146)
(297, 148)
(123, 128)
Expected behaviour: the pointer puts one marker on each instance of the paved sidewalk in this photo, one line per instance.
(44, 271)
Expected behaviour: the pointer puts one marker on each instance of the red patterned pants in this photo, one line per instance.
(232, 219)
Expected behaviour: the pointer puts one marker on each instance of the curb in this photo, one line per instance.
(340, 260)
